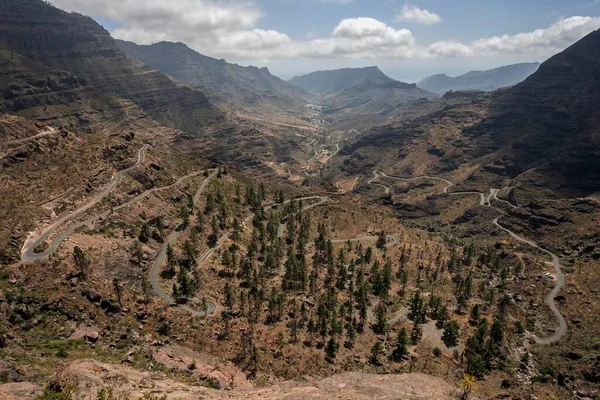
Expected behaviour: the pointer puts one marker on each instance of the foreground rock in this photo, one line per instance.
(91, 376)
(223, 375)
(19, 391)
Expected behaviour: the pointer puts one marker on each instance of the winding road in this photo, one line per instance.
(561, 330)
(160, 260)
(28, 253)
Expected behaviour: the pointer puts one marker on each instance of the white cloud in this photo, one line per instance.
(229, 29)
(540, 42)
(415, 14)
(450, 49)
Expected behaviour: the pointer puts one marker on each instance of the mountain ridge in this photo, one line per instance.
(330, 81)
(246, 87)
(484, 80)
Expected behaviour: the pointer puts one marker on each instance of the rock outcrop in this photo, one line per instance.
(126, 381)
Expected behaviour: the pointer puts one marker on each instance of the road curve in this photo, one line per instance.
(160, 259)
(376, 177)
(550, 298)
(28, 253)
(483, 201)
(561, 330)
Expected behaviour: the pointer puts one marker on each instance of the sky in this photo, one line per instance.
(408, 40)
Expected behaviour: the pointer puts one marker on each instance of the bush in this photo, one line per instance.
(58, 392)
(437, 352)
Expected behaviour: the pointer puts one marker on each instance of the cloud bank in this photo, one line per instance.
(229, 29)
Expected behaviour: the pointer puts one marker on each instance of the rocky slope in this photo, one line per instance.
(250, 88)
(77, 44)
(488, 80)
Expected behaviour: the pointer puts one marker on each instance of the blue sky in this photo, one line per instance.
(408, 40)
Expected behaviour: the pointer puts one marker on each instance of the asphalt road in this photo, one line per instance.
(28, 253)
(160, 260)
(561, 330)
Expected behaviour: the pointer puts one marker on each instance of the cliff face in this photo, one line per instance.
(247, 87)
(78, 45)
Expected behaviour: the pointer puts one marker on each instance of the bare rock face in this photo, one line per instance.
(19, 391)
(202, 366)
(130, 383)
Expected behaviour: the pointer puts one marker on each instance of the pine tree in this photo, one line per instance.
(416, 333)
(185, 284)
(450, 335)
(401, 349)
(376, 353)
(81, 261)
(380, 326)
(331, 349)
(381, 240)
(475, 315)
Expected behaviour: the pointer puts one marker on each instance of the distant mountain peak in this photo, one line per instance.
(487, 80)
(331, 81)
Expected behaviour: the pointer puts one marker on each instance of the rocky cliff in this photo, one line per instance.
(249, 87)
(78, 45)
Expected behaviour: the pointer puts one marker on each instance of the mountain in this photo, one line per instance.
(78, 45)
(359, 90)
(489, 80)
(543, 131)
(247, 87)
(333, 81)
(73, 107)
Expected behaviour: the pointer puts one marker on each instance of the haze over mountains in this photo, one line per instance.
(247, 87)
(487, 81)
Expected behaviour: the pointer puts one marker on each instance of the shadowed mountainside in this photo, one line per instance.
(548, 124)
(77, 44)
(247, 87)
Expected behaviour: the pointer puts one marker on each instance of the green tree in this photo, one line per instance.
(475, 315)
(185, 284)
(381, 240)
(416, 333)
(401, 350)
(331, 349)
(171, 261)
(376, 353)
(380, 326)
(184, 214)
(450, 335)
(81, 261)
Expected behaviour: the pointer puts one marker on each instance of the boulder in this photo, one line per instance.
(90, 334)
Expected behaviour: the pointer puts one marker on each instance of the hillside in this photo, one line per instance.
(488, 80)
(247, 87)
(77, 44)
